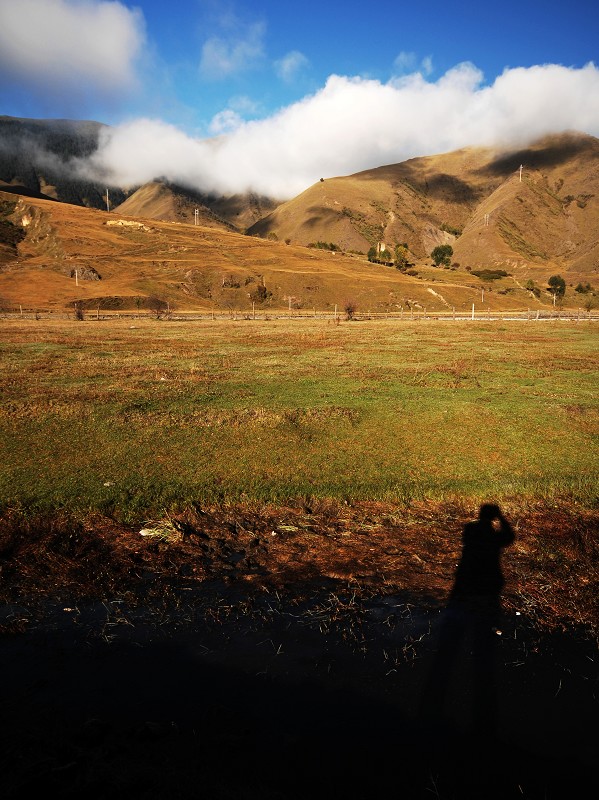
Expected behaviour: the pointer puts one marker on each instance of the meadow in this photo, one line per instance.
(146, 417)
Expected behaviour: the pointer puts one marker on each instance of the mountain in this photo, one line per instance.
(473, 199)
(34, 157)
(170, 203)
(157, 200)
(34, 162)
(510, 230)
(53, 255)
(57, 254)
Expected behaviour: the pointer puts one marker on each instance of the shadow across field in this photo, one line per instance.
(152, 706)
(189, 665)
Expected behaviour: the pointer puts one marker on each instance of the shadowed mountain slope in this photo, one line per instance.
(34, 156)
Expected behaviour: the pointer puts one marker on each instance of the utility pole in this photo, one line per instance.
(520, 173)
(196, 216)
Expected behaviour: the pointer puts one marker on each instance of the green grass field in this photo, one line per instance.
(140, 418)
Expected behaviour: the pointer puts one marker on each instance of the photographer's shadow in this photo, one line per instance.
(470, 624)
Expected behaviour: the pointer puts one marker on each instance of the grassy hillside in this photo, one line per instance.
(547, 221)
(54, 254)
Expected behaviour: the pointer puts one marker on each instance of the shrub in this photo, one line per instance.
(325, 246)
(451, 229)
(530, 286)
(490, 274)
(260, 294)
(350, 308)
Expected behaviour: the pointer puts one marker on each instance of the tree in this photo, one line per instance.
(157, 307)
(442, 255)
(557, 286)
(402, 256)
(379, 256)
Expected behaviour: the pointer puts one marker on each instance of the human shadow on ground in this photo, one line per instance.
(470, 623)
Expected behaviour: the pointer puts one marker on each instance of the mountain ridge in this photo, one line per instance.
(441, 199)
(517, 229)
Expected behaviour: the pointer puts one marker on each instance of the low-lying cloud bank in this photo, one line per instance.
(353, 124)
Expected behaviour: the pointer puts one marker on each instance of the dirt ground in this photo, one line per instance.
(285, 653)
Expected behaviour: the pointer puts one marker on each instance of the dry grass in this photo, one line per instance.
(193, 267)
(94, 419)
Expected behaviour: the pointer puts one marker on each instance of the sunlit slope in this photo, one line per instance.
(549, 218)
(158, 201)
(54, 254)
(70, 253)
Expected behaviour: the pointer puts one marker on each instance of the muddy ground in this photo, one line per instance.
(284, 653)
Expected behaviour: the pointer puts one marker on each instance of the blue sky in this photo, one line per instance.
(250, 72)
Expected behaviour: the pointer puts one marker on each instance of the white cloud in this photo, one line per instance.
(406, 62)
(75, 48)
(223, 57)
(426, 65)
(353, 124)
(244, 104)
(225, 122)
(229, 119)
(289, 67)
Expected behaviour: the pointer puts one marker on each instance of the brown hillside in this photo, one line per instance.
(54, 254)
(157, 200)
(547, 222)
(67, 253)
